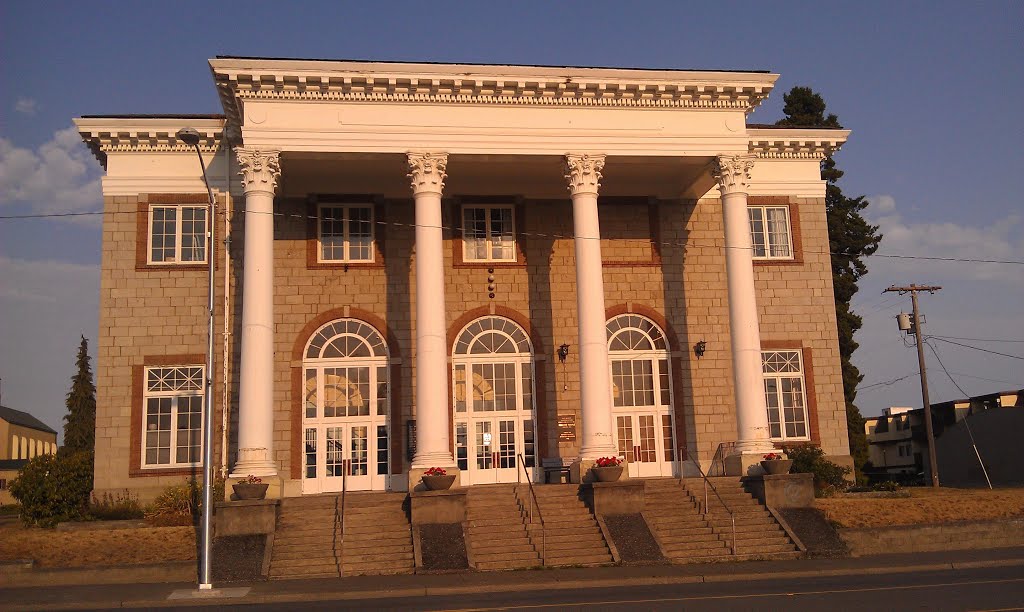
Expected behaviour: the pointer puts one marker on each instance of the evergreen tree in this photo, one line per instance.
(80, 421)
(850, 239)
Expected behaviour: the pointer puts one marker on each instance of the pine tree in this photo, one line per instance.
(80, 421)
(850, 239)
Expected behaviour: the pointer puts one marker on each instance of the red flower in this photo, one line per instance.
(608, 462)
(435, 471)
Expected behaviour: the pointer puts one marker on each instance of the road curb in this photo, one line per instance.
(519, 585)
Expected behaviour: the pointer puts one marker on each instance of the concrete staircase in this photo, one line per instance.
(572, 534)
(308, 540)
(687, 535)
(496, 535)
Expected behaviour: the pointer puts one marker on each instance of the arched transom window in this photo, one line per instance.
(491, 335)
(639, 362)
(498, 354)
(346, 338)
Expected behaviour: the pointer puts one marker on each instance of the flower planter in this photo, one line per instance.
(438, 483)
(245, 490)
(777, 466)
(607, 474)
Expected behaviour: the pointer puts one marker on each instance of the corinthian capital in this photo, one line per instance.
(259, 169)
(583, 171)
(427, 172)
(732, 173)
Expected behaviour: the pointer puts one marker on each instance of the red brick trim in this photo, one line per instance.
(540, 396)
(654, 227)
(313, 240)
(676, 365)
(454, 207)
(794, 229)
(135, 469)
(146, 201)
(394, 372)
(809, 388)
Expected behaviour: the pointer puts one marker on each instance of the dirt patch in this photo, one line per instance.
(633, 538)
(443, 547)
(816, 533)
(97, 547)
(923, 505)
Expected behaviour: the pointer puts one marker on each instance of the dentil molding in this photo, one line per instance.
(427, 172)
(259, 169)
(583, 172)
(732, 172)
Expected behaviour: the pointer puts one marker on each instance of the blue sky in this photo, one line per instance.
(931, 91)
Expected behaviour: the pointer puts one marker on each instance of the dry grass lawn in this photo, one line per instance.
(925, 505)
(97, 547)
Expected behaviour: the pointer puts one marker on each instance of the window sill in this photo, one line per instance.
(165, 471)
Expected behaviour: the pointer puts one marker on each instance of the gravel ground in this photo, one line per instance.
(443, 547)
(633, 538)
(814, 530)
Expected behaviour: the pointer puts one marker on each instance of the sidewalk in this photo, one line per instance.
(433, 585)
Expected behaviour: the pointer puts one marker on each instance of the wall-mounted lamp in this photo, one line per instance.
(699, 348)
(563, 352)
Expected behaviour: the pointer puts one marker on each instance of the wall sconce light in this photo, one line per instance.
(699, 348)
(563, 352)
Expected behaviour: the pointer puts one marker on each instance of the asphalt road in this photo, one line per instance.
(973, 589)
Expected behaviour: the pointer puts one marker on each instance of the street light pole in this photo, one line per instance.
(191, 137)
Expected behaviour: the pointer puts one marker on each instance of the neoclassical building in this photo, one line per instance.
(486, 268)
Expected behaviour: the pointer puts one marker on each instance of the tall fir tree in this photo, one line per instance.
(850, 239)
(80, 421)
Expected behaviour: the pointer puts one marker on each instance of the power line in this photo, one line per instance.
(978, 348)
(532, 234)
(975, 339)
(943, 366)
(885, 383)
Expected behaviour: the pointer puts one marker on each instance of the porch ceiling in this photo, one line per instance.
(531, 176)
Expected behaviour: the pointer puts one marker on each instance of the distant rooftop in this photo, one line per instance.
(24, 419)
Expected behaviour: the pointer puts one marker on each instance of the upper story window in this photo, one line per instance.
(770, 233)
(488, 233)
(177, 234)
(784, 394)
(173, 416)
(345, 233)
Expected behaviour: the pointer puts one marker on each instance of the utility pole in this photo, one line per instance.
(917, 329)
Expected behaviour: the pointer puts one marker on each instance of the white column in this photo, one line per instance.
(433, 446)
(733, 176)
(583, 173)
(260, 171)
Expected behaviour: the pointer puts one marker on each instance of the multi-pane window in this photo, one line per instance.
(345, 233)
(769, 232)
(488, 233)
(784, 394)
(173, 418)
(177, 234)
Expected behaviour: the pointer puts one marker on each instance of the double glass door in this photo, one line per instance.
(491, 447)
(645, 443)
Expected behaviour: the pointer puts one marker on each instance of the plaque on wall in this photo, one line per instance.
(410, 439)
(566, 427)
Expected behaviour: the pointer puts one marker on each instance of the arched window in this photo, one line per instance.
(14, 447)
(24, 447)
(492, 374)
(641, 394)
(345, 409)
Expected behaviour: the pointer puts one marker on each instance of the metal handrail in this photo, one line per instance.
(341, 519)
(732, 515)
(534, 502)
(719, 456)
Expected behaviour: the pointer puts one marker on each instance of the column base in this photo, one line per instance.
(746, 462)
(253, 462)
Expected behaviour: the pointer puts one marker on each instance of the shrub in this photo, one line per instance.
(54, 488)
(181, 504)
(828, 477)
(121, 507)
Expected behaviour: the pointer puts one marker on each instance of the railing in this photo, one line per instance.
(534, 504)
(707, 483)
(724, 449)
(340, 519)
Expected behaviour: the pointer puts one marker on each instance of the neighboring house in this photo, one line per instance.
(899, 445)
(22, 437)
(410, 245)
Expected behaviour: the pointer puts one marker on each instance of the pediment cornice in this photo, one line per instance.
(105, 135)
(795, 143)
(253, 79)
